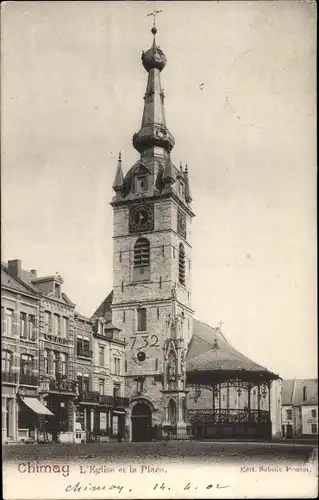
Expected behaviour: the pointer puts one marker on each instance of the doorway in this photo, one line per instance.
(141, 422)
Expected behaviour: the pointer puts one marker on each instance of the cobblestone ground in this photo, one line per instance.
(172, 452)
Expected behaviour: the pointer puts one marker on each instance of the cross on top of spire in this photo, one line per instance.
(154, 14)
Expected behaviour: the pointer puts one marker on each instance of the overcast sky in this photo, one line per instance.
(72, 97)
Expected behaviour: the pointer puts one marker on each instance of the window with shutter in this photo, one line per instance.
(7, 324)
(63, 364)
(31, 327)
(46, 360)
(54, 363)
(23, 325)
(6, 361)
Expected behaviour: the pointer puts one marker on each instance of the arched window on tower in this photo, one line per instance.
(181, 264)
(141, 260)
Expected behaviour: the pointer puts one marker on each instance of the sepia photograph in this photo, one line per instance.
(158, 256)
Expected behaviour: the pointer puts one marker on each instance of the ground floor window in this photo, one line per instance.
(314, 429)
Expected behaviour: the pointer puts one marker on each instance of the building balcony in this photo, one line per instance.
(89, 397)
(84, 353)
(9, 377)
(113, 401)
(119, 401)
(27, 379)
(105, 400)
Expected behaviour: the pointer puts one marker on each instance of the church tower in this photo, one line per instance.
(152, 265)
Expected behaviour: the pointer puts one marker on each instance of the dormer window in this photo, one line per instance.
(141, 183)
(57, 290)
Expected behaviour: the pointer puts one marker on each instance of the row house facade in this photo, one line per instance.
(61, 371)
(299, 407)
(99, 372)
(20, 307)
(57, 377)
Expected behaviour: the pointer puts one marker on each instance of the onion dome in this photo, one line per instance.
(153, 131)
(154, 58)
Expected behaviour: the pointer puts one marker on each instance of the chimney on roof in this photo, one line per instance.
(14, 268)
(33, 273)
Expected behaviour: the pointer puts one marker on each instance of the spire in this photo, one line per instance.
(153, 131)
(168, 175)
(188, 195)
(118, 180)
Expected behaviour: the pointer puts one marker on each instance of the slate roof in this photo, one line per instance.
(312, 401)
(286, 391)
(104, 310)
(15, 283)
(209, 350)
(292, 391)
(24, 283)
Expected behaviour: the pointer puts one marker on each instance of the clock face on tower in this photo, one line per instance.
(141, 218)
(181, 224)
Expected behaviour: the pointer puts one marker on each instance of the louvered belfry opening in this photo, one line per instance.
(142, 253)
(141, 271)
(181, 264)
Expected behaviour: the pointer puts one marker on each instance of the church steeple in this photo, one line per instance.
(153, 131)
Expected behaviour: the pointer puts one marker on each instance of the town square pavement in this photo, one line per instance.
(208, 452)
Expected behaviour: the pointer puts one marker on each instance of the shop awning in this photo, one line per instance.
(35, 405)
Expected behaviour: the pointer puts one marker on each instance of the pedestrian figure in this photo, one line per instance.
(119, 437)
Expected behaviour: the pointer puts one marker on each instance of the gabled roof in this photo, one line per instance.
(104, 309)
(293, 391)
(80, 316)
(66, 299)
(209, 350)
(15, 283)
(29, 284)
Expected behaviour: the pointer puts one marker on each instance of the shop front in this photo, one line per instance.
(58, 396)
(101, 417)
